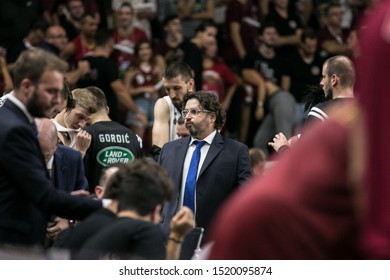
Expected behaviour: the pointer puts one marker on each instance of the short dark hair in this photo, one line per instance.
(264, 26)
(308, 33)
(169, 18)
(84, 17)
(101, 101)
(209, 101)
(39, 24)
(102, 37)
(329, 6)
(127, 4)
(137, 47)
(143, 184)
(178, 68)
(204, 25)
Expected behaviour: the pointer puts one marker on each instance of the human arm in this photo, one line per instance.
(229, 96)
(334, 47)
(182, 223)
(160, 132)
(8, 84)
(82, 69)
(59, 226)
(254, 78)
(231, 81)
(285, 83)
(125, 100)
(83, 140)
(35, 186)
(279, 141)
(68, 51)
(235, 35)
(289, 40)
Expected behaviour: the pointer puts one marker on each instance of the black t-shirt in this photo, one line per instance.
(103, 71)
(271, 68)
(126, 238)
(285, 27)
(111, 143)
(74, 238)
(320, 111)
(193, 56)
(303, 74)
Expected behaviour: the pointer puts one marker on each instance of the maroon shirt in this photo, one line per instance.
(302, 208)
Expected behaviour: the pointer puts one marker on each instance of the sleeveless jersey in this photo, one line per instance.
(174, 116)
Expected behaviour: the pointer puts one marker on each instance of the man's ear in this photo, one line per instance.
(99, 191)
(27, 87)
(213, 116)
(191, 85)
(156, 214)
(334, 80)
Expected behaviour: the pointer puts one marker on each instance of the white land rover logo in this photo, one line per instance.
(112, 154)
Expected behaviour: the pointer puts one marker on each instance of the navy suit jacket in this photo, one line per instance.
(225, 167)
(68, 167)
(26, 192)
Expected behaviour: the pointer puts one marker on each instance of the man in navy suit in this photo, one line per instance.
(69, 174)
(65, 165)
(26, 194)
(224, 163)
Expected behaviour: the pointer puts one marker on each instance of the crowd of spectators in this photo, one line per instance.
(290, 55)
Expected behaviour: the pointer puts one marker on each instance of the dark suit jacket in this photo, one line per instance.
(225, 167)
(26, 192)
(68, 167)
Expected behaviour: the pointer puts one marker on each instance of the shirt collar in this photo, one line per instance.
(49, 164)
(209, 139)
(21, 106)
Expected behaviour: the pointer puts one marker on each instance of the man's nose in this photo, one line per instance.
(172, 93)
(82, 123)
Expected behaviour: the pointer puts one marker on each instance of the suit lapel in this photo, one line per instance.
(180, 157)
(59, 169)
(215, 147)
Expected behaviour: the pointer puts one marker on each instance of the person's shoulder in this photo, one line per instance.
(176, 142)
(7, 108)
(67, 151)
(232, 142)
(130, 225)
(322, 105)
(162, 105)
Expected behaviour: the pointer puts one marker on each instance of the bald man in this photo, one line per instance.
(65, 165)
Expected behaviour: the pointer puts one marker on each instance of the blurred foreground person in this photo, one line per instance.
(304, 207)
(373, 90)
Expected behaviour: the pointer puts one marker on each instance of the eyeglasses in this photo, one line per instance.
(193, 112)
